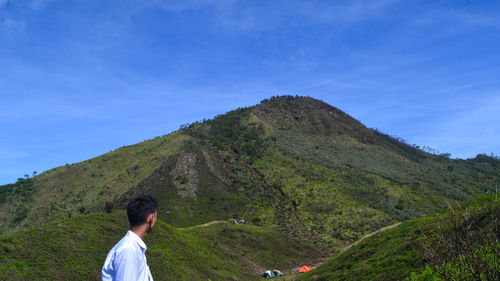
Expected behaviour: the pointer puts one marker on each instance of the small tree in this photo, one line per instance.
(184, 126)
(108, 206)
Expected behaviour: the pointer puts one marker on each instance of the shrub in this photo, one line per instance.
(108, 206)
(467, 246)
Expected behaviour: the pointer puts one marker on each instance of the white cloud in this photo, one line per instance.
(306, 12)
(182, 5)
(40, 4)
(237, 14)
(452, 21)
(348, 12)
(13, 25)
(10, 154)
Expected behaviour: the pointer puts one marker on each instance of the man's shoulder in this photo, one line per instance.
(125, 244)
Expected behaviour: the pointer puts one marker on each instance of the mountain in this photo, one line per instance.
(293, 164)
(75, 249)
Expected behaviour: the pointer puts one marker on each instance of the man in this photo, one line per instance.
(126, 261)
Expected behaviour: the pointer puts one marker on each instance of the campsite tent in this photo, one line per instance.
(305, 268)
(272, 274)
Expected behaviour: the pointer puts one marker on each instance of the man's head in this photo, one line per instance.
(142, 210)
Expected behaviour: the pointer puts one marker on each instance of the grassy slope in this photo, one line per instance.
(389, 255)
(90, 183)
(75, 250)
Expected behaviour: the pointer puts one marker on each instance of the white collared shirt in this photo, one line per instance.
(127, 261)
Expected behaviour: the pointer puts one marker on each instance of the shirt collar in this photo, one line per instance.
(137, 239)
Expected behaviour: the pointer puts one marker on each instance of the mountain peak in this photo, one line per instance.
(308, 115)
(299, 102)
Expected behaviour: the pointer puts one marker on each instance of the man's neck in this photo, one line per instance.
(140, 231)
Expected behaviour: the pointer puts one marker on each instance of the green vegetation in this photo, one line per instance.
(16, 198)
(76, 249)
(86, 184)
(201, 184)
(232, 131)
(389, 255)
(397, 253)
(465, 245)
(292, 164)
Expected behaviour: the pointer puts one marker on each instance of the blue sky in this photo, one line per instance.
(81, 78)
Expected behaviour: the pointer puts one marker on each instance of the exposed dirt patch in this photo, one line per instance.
(185, 176)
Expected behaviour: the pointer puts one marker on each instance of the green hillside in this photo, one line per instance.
(75, 249)
(88, 184)
(397, 253)
(292, 164)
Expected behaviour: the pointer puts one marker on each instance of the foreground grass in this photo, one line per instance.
(76, 249)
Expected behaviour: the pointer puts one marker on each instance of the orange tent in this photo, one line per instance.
(305, 268)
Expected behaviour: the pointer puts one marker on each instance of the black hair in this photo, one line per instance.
(139, 208)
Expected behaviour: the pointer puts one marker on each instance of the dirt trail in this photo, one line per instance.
(368, 235)
(202, 225)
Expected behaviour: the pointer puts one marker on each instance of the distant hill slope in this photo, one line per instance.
(396, 253)
(294, 164)
(88, 184)
(76, 249)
